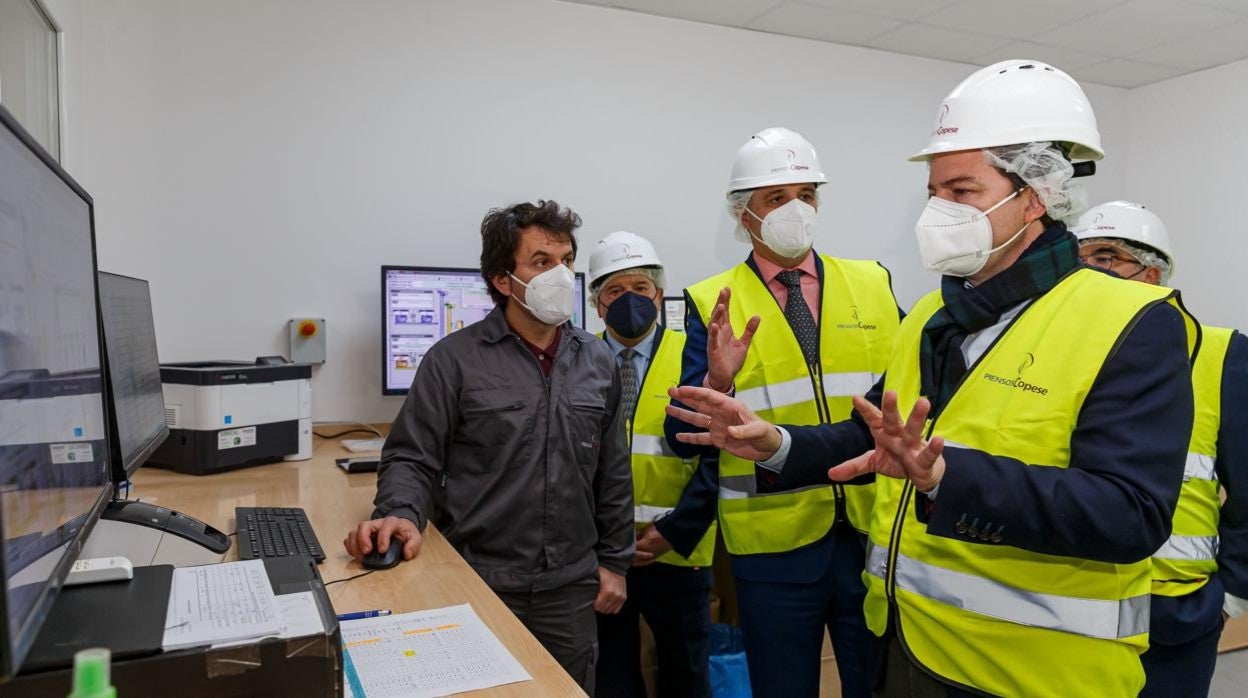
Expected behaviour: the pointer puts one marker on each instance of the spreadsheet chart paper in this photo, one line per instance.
(425, 653)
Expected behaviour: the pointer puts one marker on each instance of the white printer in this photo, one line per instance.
(224, 415)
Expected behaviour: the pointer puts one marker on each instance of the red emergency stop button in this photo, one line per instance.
(307, 328)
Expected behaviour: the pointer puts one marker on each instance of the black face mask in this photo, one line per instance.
(631, 315)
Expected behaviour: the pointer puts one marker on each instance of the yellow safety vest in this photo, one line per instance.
(660, 476)
(857, 323)
(1000, 619)
(1186, 561)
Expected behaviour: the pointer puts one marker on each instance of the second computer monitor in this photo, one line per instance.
(421, 305)
(132, 367)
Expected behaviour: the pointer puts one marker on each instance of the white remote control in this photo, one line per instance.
(100, 569)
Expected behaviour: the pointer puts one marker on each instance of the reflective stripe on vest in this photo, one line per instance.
(1199, 467)
(777, 395)
(644, 514)
(746, 487)
(650, 445)
(1097, 618)
(659, 475)
(1185, 563)
(993, 617)
(857, 323)
(1189, 548)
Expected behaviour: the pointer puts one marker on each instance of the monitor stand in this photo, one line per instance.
(147, 534)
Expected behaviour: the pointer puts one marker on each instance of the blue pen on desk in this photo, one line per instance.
(358, 615)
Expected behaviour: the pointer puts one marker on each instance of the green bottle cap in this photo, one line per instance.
(91, 674)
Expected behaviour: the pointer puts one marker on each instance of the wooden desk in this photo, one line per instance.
(335, 503)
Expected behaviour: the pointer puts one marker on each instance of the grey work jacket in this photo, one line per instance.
(528, 477)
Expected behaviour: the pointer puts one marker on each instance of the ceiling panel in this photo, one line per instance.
(729, 12)
(896, 9)
(1222, 45)
(1238, 6)
(1136, 25)
(1019, 20)
(1124, 73)
(809, 21)
(935, 42)
(1115, 42)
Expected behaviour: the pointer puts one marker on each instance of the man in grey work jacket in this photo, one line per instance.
(510, 442)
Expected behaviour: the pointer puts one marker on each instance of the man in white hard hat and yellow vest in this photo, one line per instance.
(1029, 434)
(671, 591)
(1200, 575)
(825, 327)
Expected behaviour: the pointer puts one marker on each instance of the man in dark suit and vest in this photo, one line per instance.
(1200, 574)
(1029, 434)
(671, 591)
(827, 327)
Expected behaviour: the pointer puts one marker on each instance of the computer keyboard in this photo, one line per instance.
(275, 532)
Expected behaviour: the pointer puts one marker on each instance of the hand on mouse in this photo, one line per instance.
(360, 542)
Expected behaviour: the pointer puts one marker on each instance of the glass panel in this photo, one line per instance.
(28, 71)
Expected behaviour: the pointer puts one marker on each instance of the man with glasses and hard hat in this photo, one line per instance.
(1029, 434)
(671, 591)
(1200, 575)
(825, 327)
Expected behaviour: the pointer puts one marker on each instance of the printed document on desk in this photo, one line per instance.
(221, 603)
(426, 653)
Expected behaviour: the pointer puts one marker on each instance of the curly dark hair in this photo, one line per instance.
(500, 235)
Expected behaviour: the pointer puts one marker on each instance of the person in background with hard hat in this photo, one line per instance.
(825, 329)
(671, 591)
(1200, 575)
(1029, 434)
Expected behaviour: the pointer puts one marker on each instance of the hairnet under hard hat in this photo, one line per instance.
(1044, 168)
(1125, 220)
(772, 157)
(1147, 257)
(736, 203)
(655, 274)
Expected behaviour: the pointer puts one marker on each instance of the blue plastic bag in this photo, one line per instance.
(730, 677)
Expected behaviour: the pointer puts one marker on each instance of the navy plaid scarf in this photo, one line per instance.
(967, 310)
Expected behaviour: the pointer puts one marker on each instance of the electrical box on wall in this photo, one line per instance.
(307, 340)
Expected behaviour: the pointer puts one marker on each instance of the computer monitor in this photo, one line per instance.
(136, 406)
(54, 476)
(420, 305)
(674, 313)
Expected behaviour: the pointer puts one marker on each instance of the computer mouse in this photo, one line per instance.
(384, 561)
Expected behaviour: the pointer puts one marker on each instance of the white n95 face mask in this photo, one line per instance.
(956, 239)
(789, 230)
(549, 295)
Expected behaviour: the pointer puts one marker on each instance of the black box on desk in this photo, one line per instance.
(306, 666)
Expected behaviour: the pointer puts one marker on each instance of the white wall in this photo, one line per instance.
(260, 160)
(1189, 158)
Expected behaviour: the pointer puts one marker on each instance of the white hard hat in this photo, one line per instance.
(1124, 220)
(618, 251)
(1015, 101)
(775, 156)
